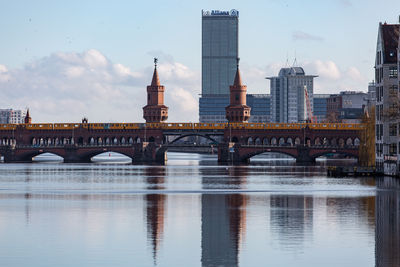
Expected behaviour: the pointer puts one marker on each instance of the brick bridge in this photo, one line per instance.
(148, 143)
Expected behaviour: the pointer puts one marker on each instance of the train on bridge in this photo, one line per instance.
(185, 126)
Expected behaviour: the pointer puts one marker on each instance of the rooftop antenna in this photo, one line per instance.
(295, 59)
(287, 60)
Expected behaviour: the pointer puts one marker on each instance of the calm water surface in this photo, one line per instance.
(193, 212)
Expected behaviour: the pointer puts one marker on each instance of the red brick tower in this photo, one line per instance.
(237, 111)
(155, 110)
(28, 118)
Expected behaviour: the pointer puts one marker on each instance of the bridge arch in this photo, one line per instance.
(349, 142)
(281, 141)
(248, 156)
(289, 141)
(274, 141)
(250, 141)
(344, 153)
(265, 141)
(297, 141)
(201, 135)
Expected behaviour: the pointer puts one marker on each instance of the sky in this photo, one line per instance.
(66, 60)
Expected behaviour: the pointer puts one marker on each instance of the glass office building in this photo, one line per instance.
(220, 50)
(212, 109)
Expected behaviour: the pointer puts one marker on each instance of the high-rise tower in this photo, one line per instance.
(155, 110)
(237, 111)
(220, 48)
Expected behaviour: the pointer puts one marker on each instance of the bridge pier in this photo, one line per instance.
(230, 153)
(149, 153)
(10, 156)
(303, 155)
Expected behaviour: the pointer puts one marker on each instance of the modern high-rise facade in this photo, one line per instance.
(12, 116)
(320, 102)
(220, 50)
(387, 101)
(288, 100)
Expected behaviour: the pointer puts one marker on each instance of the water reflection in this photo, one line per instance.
(223, 221)
(387, 234)
(155, 208)
(292, 219)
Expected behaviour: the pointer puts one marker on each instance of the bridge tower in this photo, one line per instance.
(237, 111)
(28, 118)
(155, 110)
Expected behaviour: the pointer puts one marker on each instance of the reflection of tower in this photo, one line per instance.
(387, 232)
(155, 208)
(292, 216)
(223, 223)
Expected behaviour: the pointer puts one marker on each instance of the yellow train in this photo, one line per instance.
(184, 126)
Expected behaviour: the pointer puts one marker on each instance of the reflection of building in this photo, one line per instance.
(387, 232)
(292, 216)
(288, 99)
(223, 218)
(155, 208)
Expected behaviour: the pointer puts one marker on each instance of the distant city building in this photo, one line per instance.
(346, 107)
(288, 95)
(12, 116)
(371, 93)
(220, 50)
(320, 106)
(387, 102)
(212, 109)
(5, 115)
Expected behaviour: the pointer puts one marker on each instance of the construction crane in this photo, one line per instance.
(310, 116)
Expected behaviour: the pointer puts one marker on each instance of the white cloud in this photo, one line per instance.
(68, 86)
(303, 36)
(324, 69)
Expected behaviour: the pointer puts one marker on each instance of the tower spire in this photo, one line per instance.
(28, 118)
(238, 79)
(155, 81)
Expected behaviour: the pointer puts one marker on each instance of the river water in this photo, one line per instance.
(193, 212)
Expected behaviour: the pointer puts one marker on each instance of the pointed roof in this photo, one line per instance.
(156, 80)
(238, 78)
(27, 114)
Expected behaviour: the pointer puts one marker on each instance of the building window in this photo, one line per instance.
(237, 97)
(393, 129)
(393, 72)
(392, 149)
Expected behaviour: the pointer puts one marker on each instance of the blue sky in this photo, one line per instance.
(41, 40)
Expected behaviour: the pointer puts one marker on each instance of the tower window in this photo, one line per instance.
(148, 97)
(237, 97)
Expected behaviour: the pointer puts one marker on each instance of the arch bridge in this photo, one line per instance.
(148, 142)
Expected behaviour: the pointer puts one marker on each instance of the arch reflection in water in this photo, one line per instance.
(155, 208)
(223, 222)
(387, 231)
